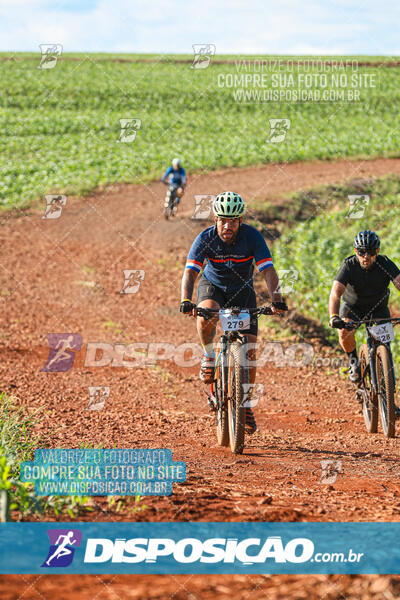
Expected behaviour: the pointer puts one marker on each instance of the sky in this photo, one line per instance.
(234, 26)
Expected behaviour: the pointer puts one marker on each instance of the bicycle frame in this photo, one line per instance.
(225, 340)
(228, 397)
(170, 203)
(172, 189)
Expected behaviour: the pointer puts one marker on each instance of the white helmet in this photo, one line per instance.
(176, 162)
(228, 204)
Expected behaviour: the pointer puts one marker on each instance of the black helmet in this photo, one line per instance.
(366, 239)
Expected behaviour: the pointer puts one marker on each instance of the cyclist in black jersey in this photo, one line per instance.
(363, 280)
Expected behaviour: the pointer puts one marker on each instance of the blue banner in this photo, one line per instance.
(196, 548)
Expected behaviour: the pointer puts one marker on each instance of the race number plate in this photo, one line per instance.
(383, 333)
(231, 322)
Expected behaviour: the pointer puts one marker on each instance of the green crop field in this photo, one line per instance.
(315, 249)
(60, 127)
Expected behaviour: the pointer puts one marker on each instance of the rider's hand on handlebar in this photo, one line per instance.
(349, 325)
(337, 323)
(187, 307)
(278, 307)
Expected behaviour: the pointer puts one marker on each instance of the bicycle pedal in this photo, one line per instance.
(360, 394)
(212, 403)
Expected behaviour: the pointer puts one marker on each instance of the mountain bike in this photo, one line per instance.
(170, 204)
(378, 384)
(229, 391)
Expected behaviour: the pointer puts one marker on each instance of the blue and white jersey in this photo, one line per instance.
(229, 267)
(175, 176)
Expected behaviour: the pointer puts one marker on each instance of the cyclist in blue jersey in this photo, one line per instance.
(230, 248)
(176, 176)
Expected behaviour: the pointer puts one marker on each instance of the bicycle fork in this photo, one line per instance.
(213, 398)
(371, 355)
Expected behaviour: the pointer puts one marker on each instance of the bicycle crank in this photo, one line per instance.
(212, 402)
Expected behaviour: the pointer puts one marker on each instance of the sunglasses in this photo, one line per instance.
(370, 252)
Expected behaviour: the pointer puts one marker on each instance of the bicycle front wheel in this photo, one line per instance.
(369, 406)
(238, 374)
(385, 380)
(167, 207)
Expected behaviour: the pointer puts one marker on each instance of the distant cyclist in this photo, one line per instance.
(230, 248)
(363, 281)
(176, 176)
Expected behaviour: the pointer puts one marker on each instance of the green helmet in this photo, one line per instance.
(229, 205)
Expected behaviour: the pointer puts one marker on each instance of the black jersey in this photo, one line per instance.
(367, 288)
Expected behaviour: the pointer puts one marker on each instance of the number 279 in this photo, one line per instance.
(234, 324)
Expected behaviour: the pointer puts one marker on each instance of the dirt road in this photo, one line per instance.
(65, 275)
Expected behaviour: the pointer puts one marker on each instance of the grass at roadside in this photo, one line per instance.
(17, 444)
(60, 127)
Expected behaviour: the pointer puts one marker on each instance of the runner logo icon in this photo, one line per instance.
(98, 396)
(62, 351)
(129, 128)
(133, 279)
(278, 130)
(61, 552)
(50, 55)
(54, 205)
(202, 55)
(287, 280)
(357, 206)
(203, 206)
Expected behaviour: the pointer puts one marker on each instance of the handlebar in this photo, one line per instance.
(176, 185)
(208, 312)
(352, 325)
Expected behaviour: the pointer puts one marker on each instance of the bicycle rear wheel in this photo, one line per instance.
(385, 382)
(222, 409)
(369, 405)
(238, 374)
